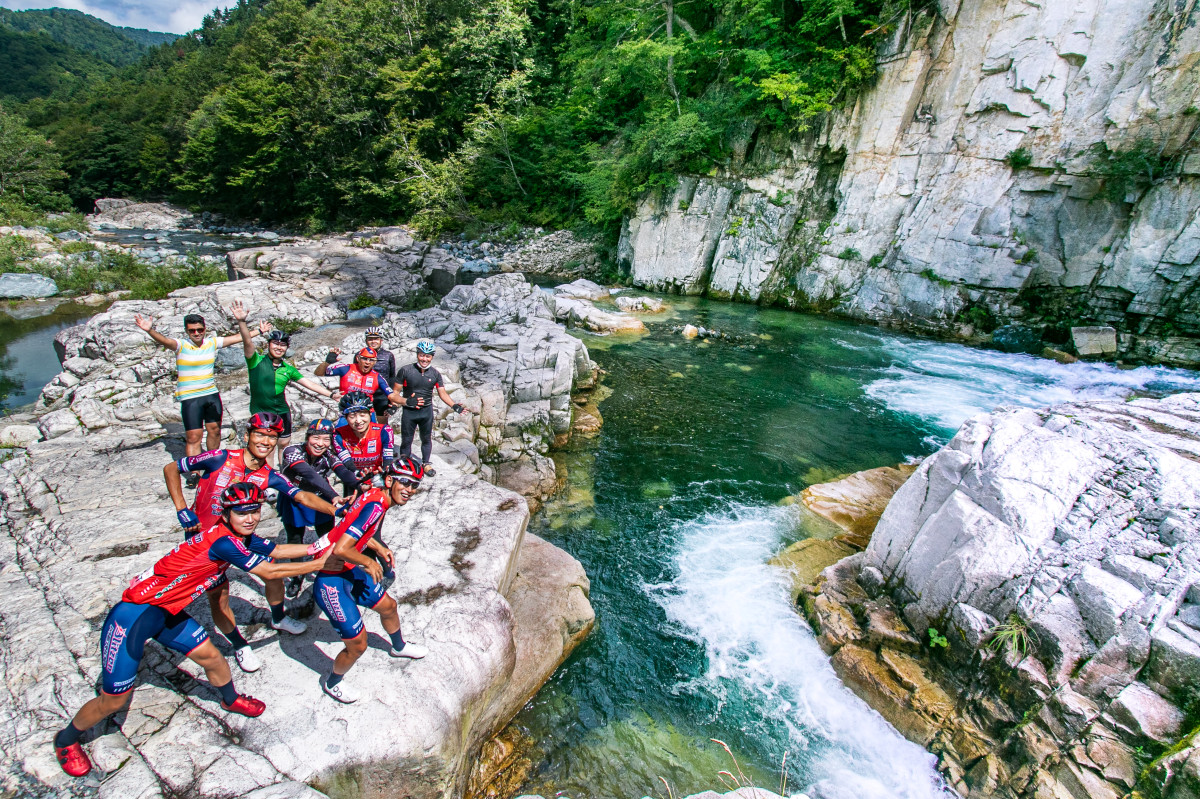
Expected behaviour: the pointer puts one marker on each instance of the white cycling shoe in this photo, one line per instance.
(290, 625)
(410, 650)
(341, 692)
(246, 659)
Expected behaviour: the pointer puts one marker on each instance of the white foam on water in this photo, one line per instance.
(729, 600)
(946, 384)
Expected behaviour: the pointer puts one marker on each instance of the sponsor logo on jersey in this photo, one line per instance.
(162, 592)
(371, 446)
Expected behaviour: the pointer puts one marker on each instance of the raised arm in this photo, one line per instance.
(330, 359)
(147, 323)
(240, 313)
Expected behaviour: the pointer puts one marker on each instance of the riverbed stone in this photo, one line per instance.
(1091, 342)
(21, 285)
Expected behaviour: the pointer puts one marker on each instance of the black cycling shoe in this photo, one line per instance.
(292, 587)
(192, 480)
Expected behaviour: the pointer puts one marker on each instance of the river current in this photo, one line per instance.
(673, 509)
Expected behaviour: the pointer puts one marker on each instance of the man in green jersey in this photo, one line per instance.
(270, 375)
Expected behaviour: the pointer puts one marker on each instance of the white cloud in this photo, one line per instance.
(176, 17)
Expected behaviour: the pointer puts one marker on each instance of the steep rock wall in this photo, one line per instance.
(906, 208)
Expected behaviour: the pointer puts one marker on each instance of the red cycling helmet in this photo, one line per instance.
(267, 422)
(242, 497)
(368, 352)
(407, 470)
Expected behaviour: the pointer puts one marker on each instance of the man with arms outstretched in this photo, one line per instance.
(195, 359)
(154, 606)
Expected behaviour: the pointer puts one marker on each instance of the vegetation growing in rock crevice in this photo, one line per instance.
(559, 112)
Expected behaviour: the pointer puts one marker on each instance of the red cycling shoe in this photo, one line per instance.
(74, 760)
(246, 705)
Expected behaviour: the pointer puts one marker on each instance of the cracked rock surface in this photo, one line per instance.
(84, 509)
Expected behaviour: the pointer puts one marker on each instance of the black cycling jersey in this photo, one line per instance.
(311, 473)
(413, 382)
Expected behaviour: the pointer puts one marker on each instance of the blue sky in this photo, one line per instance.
(174, 16)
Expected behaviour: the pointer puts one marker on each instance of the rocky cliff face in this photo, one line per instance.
(1028, 606)
(974, 183)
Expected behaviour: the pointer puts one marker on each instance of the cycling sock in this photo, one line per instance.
(333, 679)
(67, 736)
(397, 640)
(229, 694)
(234, 637)
(277, 613)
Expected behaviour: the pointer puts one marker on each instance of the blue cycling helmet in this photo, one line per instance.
(355, 401)
(319, 427)
(426, 347)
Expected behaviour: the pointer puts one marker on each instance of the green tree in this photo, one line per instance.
(29, 166)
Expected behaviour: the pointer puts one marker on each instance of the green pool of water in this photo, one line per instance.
(673, 512)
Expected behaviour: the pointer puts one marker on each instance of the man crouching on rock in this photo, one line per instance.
(153, 606)
(221, 468)
(351, 579)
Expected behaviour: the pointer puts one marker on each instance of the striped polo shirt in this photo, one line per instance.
(195, 365)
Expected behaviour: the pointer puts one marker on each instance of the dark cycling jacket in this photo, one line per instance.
(386, 365)
(311, 473)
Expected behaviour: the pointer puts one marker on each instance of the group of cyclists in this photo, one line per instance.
(353, 567)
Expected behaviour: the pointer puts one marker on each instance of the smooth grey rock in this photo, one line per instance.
(1094, 341)
(639, 304)
(582, 289)
(20, 285)
(370, 312)
(18, 435)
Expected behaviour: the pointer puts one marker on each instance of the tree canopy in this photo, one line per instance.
(555, 112)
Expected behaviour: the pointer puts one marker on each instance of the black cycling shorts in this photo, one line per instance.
(199, 411)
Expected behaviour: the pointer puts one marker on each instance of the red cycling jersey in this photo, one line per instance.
(207, 505)
(362, 521)
(192, 568)
(373, 449)
(355, 380)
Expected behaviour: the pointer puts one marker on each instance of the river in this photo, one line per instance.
(673, 511)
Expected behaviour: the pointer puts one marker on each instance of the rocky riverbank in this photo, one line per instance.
(85, 508)
(1027, 606)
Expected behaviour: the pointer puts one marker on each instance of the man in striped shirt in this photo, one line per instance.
(195, 358)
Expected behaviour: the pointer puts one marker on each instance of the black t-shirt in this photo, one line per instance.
(413, 382)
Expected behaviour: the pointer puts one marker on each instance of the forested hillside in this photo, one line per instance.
(86, 34)
(559, 112)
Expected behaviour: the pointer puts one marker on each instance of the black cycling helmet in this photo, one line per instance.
(279, 335)
(355, 401)
(242, 497)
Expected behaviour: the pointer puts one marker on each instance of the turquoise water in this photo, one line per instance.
(673, 512)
